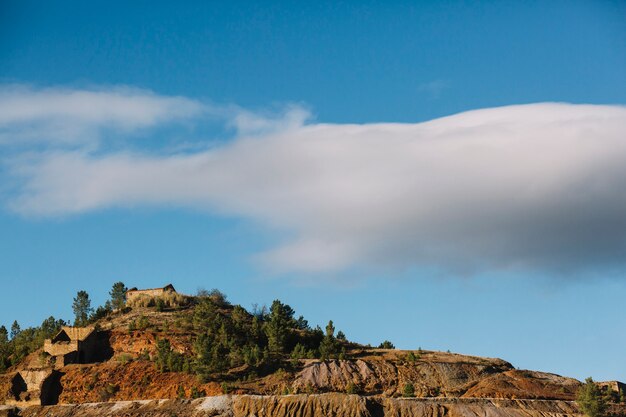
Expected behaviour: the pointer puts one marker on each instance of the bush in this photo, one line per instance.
(351, 388)
(124, 358)
(218, 297)
(409, 390)
(111, 389)
(196, 393)
(386, 345)
(168, 360)
(227, 388)
(167, 300)
(141, 323)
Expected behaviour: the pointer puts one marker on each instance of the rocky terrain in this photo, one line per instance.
(130, 379)
(317, 405)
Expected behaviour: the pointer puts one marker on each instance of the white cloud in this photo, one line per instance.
(78, 116)
(537, 186)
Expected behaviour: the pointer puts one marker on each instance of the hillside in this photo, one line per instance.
(179, 347)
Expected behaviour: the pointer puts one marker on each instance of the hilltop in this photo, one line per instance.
(165, 345)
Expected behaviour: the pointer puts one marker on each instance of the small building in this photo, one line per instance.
(615, 386)
(134, 293)
(34, 387)
(72, 345)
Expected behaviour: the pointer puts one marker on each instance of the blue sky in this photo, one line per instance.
(279, 151)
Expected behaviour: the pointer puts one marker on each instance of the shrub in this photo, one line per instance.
(351, 388)
(386, 345)
(167, 300)
(196, 393)
(298, 352)
(142, 323)
(218, 297)
(227, 388)
(610, 395)
(409, 390)
(124, 358)
(168, 360)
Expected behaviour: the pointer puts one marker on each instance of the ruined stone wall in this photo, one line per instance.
(27, 392)
(157, 292)
(60, 348)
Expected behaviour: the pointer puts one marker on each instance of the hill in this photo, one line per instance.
(170, 346)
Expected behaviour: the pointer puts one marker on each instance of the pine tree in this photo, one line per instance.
(118, 295)
(590, 399)
(330, 329)
(278, 326)
(82, 308)
(328, 347)
(4, 349)
(15, 330)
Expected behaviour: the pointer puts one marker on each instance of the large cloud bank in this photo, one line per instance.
(538, 186)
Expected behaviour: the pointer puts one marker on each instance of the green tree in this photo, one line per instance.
(279, 326)
(610, 395)
(329, 345)
(50, 327)
(330, 329)
(590, 399)
(101, 312)
(5, 349)
(218, 297)
(82, 308)
(15, 330)
(302, 324)
(118, 295)
(386, 345)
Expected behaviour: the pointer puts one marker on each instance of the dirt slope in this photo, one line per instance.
(325, 405)
(129, 371)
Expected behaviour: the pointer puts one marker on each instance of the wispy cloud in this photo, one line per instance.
(63, 116)
(536, 186)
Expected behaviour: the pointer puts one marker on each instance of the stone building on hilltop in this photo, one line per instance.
(134, 293)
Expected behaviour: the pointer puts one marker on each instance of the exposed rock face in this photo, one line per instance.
(430, 378)
(337, 405)
(323, 405)
(525, 384)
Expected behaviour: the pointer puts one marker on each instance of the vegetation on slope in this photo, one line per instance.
(189, 346)
(224, 336)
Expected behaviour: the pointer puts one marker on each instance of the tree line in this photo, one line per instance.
(226, 335)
